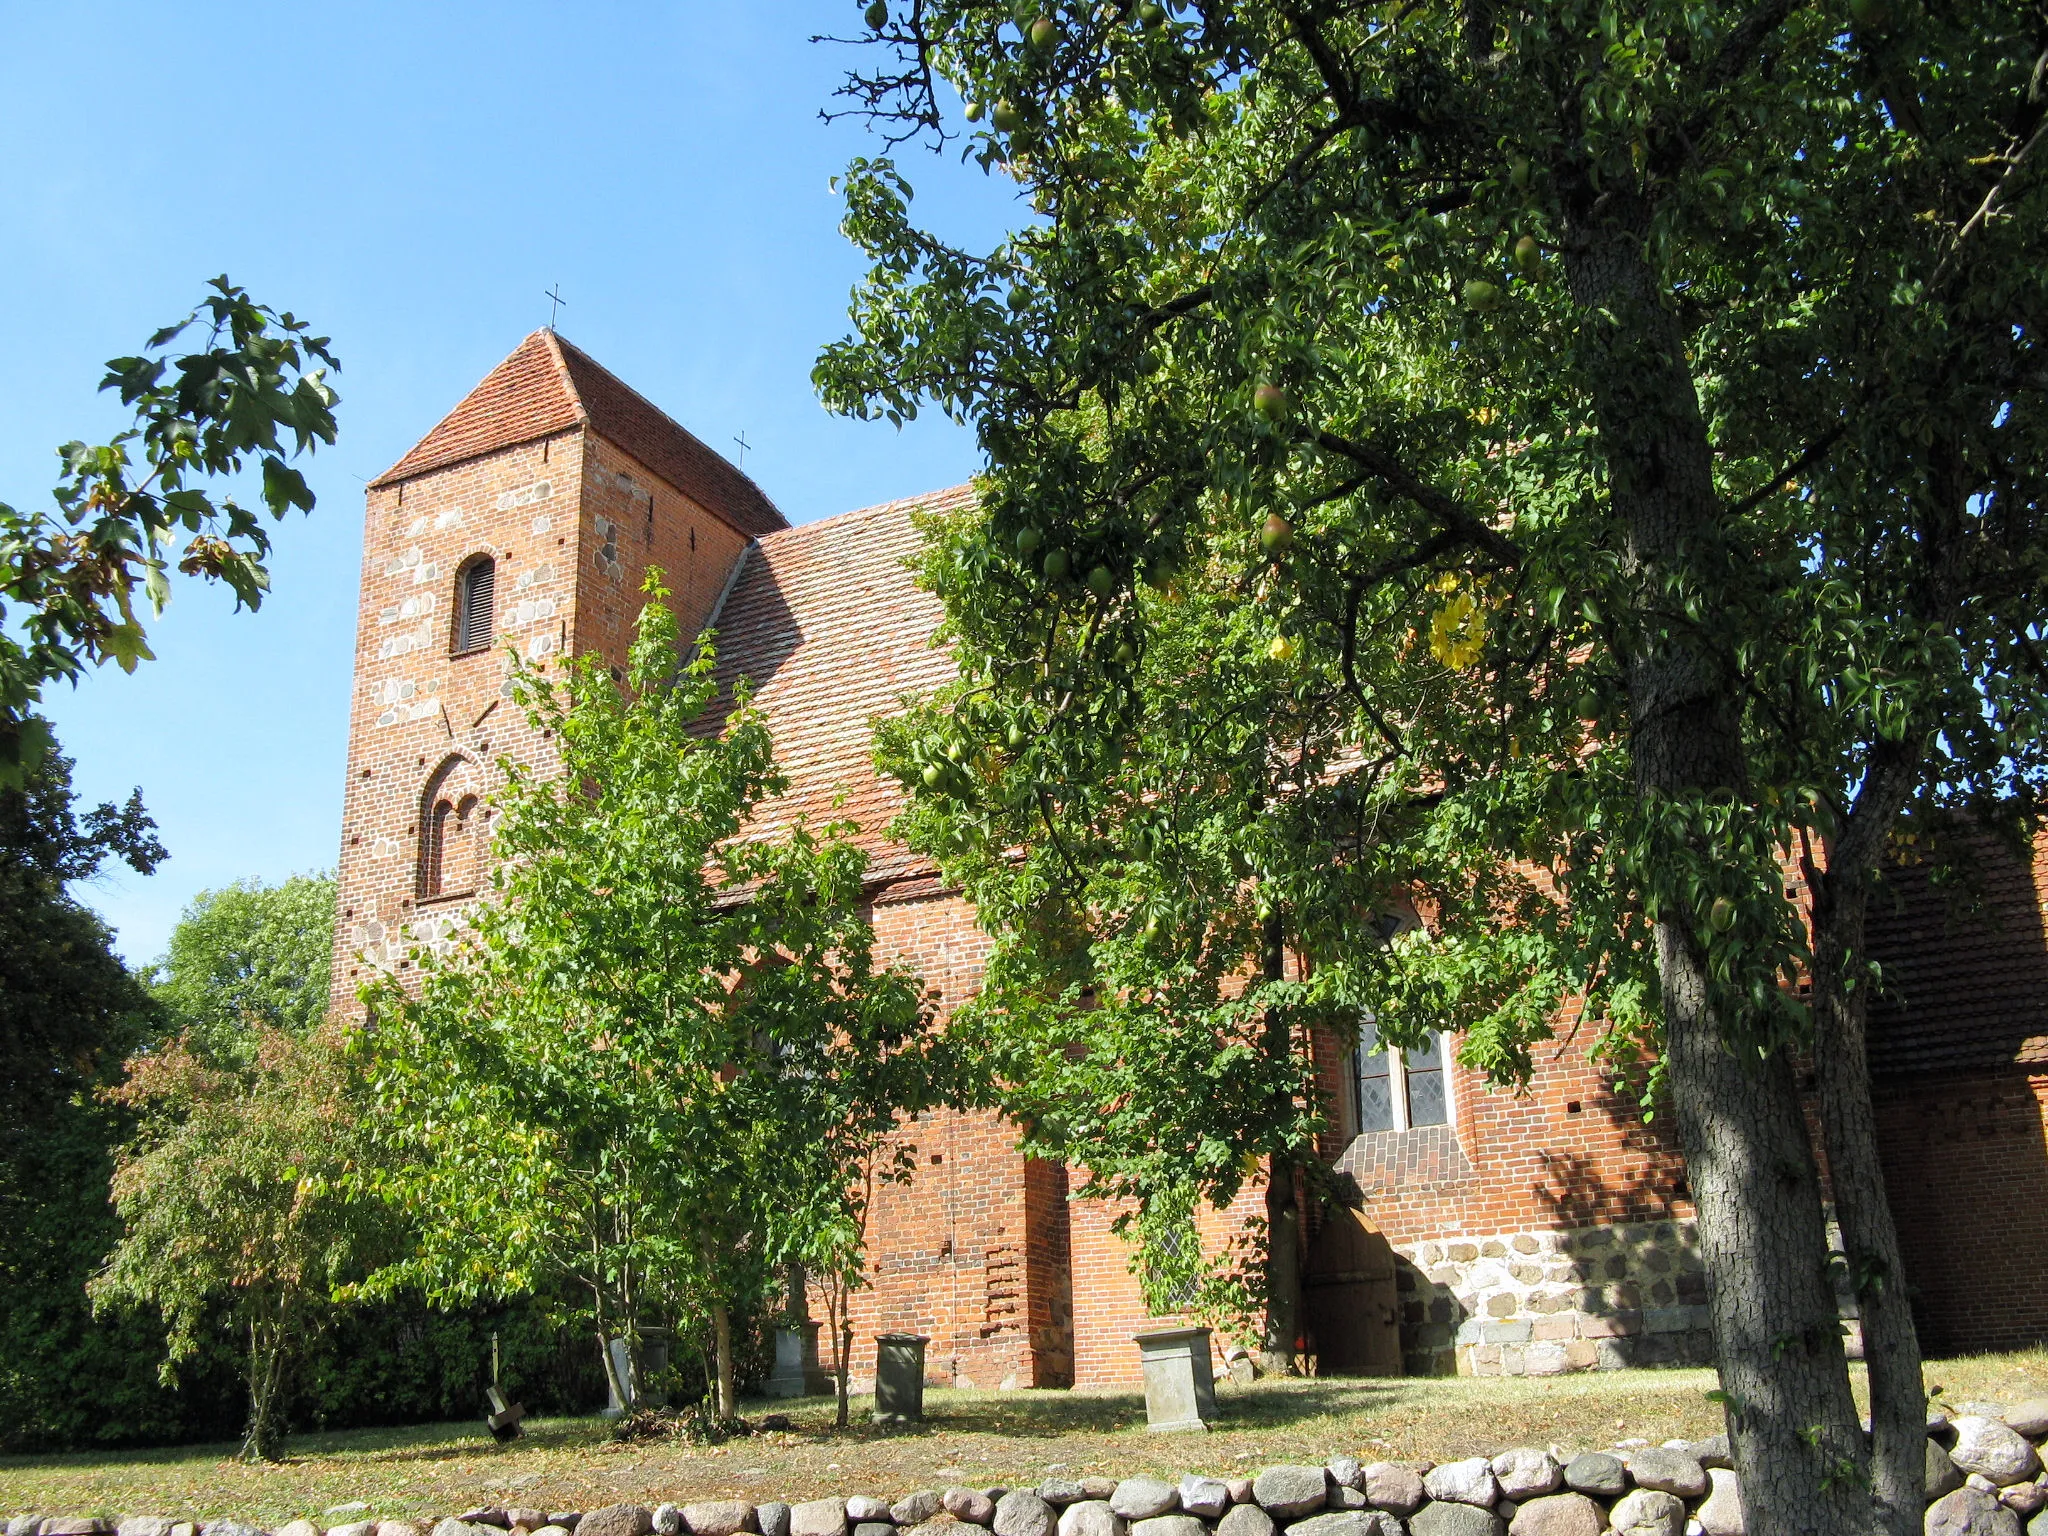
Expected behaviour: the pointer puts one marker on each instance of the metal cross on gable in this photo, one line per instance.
(740, 437)
(555, 302)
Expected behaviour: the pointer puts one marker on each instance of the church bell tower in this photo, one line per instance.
(525, 521)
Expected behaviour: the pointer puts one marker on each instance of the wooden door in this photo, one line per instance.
(1354, 1314)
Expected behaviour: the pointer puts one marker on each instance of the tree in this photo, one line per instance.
(69, 1010)
(1622, 425)
(633, 1075)
(236, 1197)
(856, 1060)
(245, 955)
(69, 578)
(69, 1014)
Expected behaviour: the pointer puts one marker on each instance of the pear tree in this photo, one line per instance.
(1568, 466)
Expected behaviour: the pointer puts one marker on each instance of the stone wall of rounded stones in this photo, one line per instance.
(1984, 1478)
(1544, 1303)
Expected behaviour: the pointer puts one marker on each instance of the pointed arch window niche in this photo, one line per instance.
(452, 834)
(476, 593)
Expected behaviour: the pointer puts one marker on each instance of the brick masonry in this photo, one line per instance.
(1540, 1231)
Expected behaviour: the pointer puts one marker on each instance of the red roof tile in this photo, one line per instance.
(548, 386)
(1964, 990)
(829, 625)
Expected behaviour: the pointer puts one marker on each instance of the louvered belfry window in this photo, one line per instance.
(475, 591)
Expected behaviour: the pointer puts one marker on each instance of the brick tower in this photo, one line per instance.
(526, 518)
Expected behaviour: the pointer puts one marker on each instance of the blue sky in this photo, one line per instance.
(410, 177)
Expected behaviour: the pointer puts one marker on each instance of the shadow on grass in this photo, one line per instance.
(1049, 1415)
(400, 1443)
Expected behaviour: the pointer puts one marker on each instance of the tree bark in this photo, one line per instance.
(1777, 1339)
(721, 1334)
(1283, 1214)
(1840, 897)
(1754, 1185)
(842, 1371)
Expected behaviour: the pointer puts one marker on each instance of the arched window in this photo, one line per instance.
(476, 591)
(451, 834)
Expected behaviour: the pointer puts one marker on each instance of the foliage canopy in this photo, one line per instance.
(250, 398)
(1557, 463)
(657, 1065)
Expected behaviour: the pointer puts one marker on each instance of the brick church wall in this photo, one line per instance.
(1540, 1232)
(971, 1253)
(630, 519)
(1109, 1301)
(1965, 1165)
(1543, 1230)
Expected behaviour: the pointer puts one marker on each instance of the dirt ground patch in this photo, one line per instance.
(977, 1438)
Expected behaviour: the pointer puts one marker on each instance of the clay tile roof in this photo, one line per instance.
(832, 630)
(548, 386)
(1964, 990)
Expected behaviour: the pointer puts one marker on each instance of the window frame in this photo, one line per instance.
(1399, 1104)
(465, 574)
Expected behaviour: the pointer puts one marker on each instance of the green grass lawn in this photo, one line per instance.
(980, 1438)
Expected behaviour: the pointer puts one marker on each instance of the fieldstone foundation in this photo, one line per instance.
(1545, 1303)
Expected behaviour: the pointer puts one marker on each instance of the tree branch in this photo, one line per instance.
(1738, 51)
(1811, 454)
(1453, 515)
(1989, 206)
(1352, 593)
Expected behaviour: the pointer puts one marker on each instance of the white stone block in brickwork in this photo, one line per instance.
(403, 645)
(526, 495)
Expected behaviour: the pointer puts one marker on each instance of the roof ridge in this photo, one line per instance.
(965, 487)
(563, 346)
(554, 341)
(499, 411)
(732, 579)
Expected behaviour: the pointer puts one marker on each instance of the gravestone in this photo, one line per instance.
(503, 1418)
(1180, 1382)
(622, 1368)
(899, 1378)
(797, 1372)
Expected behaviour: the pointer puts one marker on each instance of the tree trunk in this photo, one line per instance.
(843, 1369)
(1870, 1240)
(721, 1334)
(621, 1390)
(839, 1318)
(260, 1437)
(1283, 1215)
(1790, 1413)
(1283, 1272)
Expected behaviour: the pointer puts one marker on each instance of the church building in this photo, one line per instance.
(1532, 1233)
